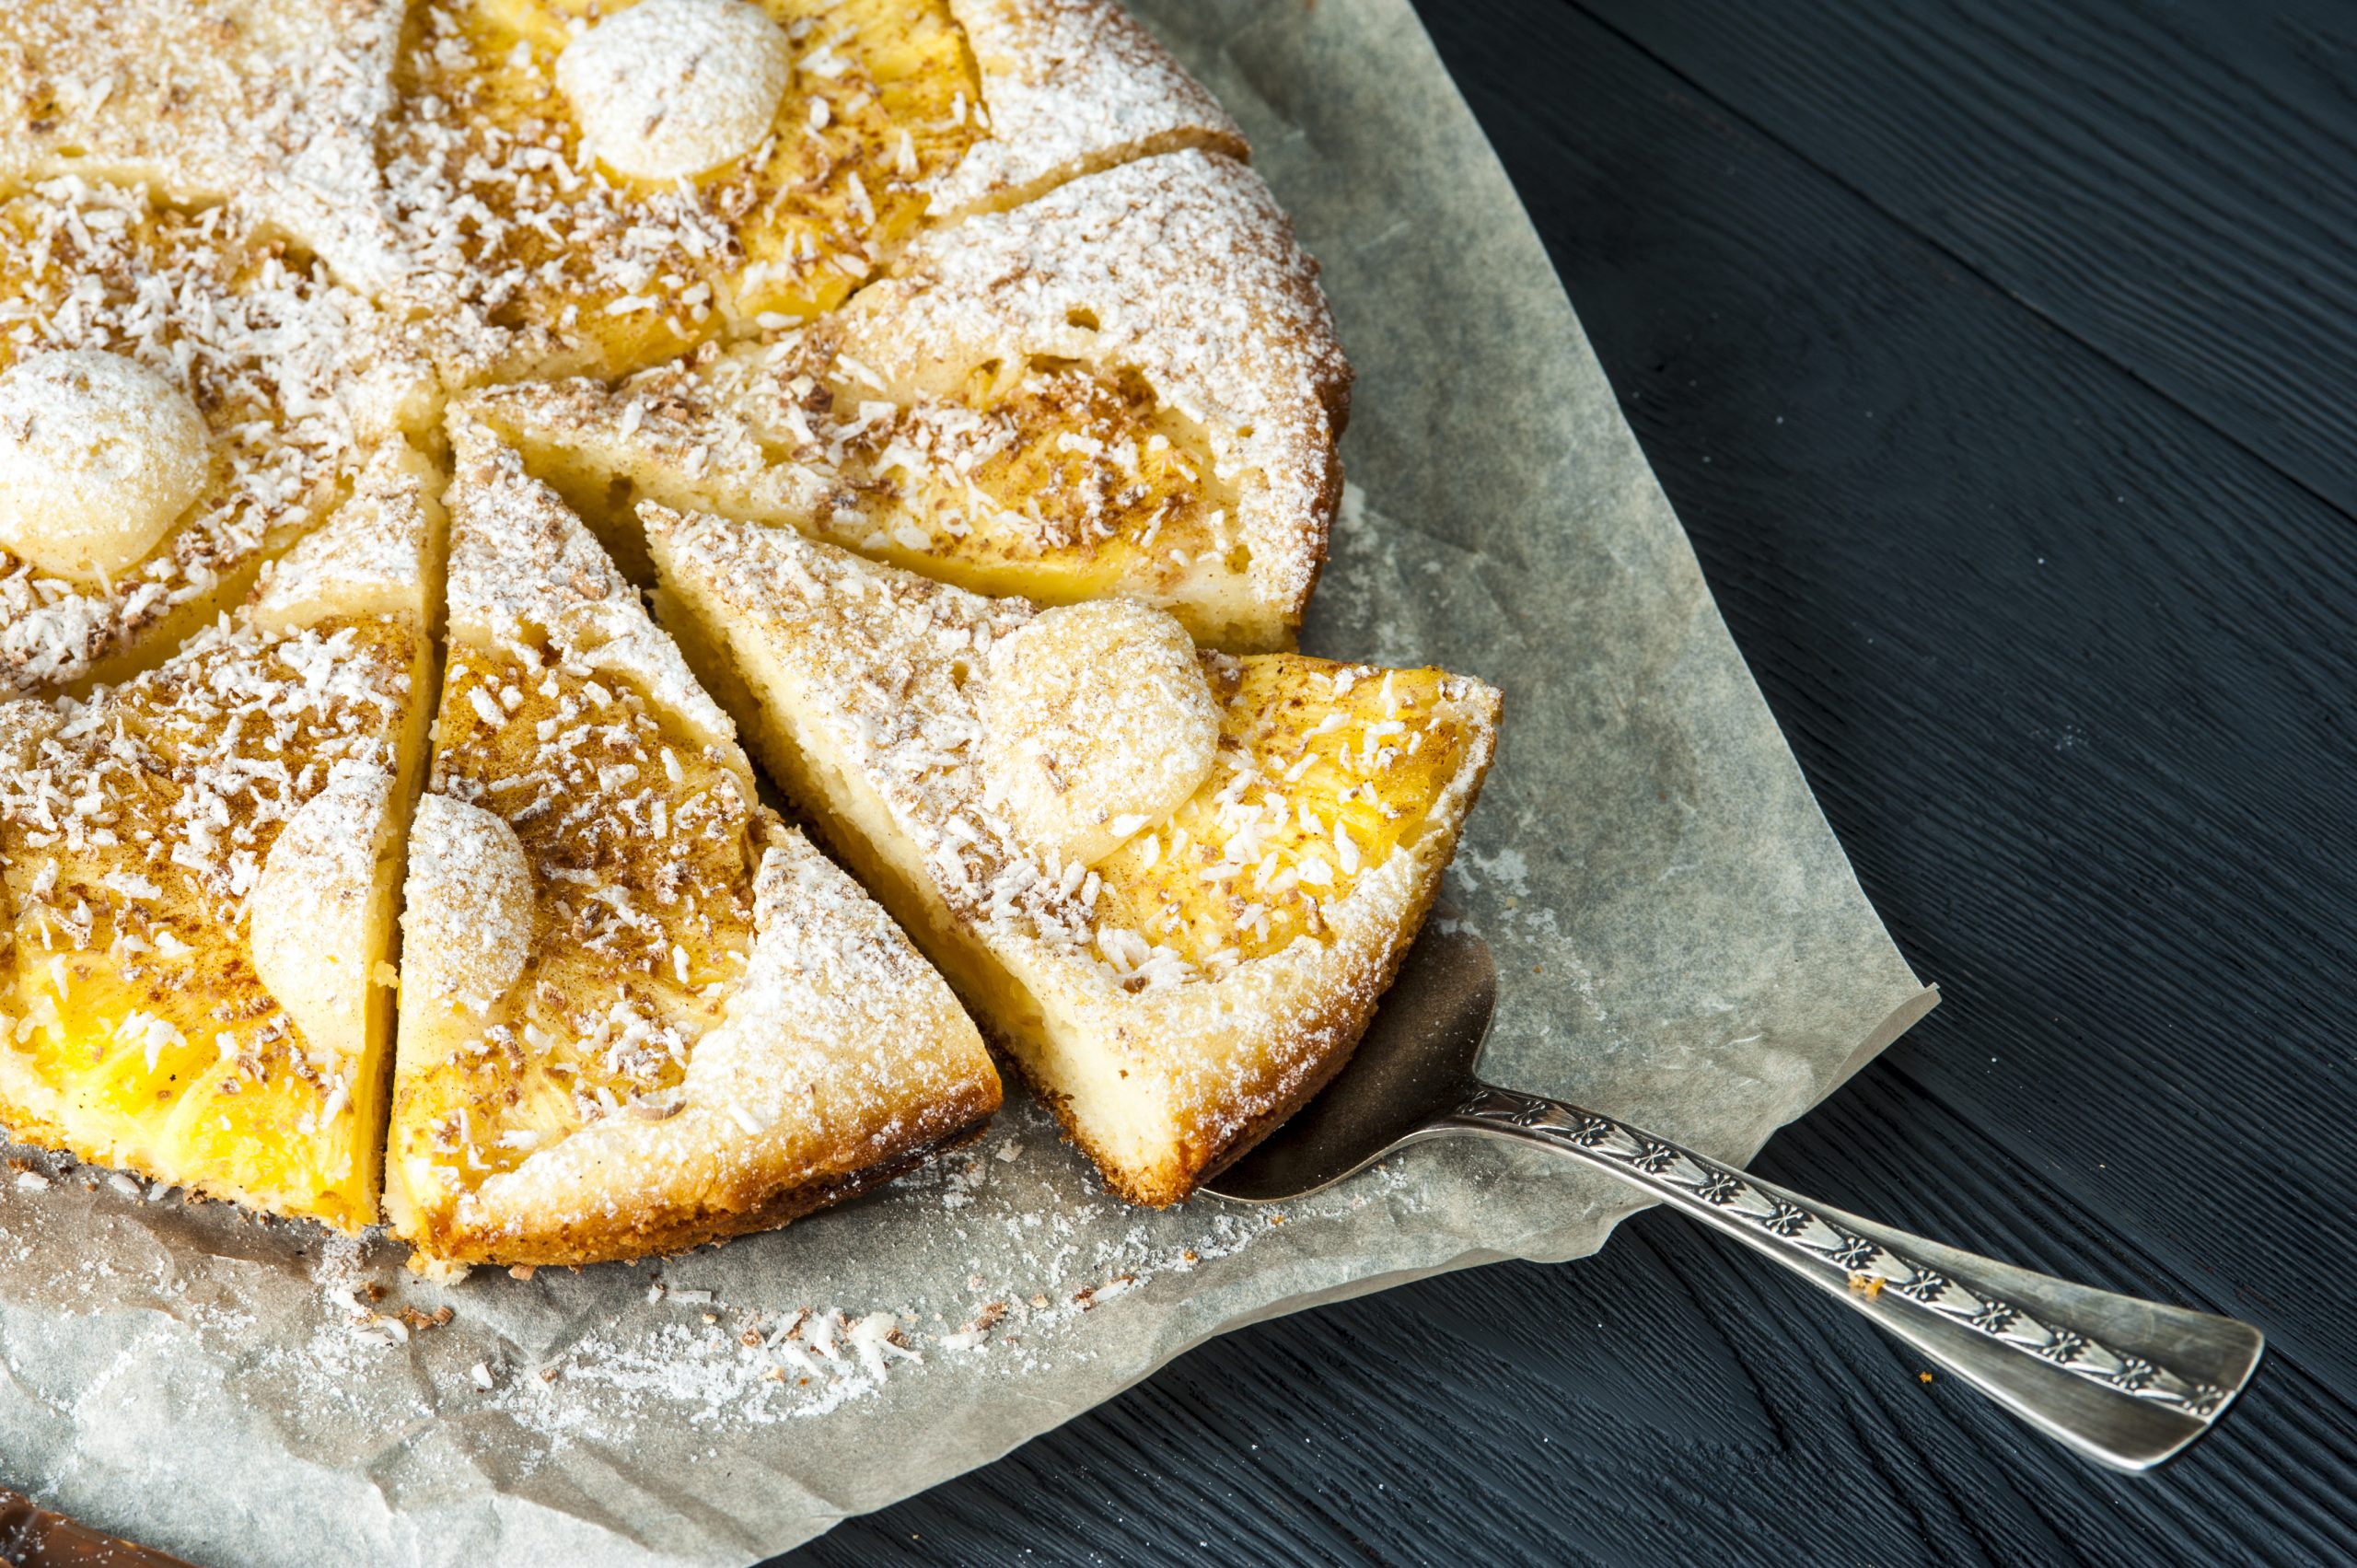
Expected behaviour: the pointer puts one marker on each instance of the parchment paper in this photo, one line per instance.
(1681, 939)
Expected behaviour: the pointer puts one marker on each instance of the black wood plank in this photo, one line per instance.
(2070, 671)
(2082, 710)
(2160, 180)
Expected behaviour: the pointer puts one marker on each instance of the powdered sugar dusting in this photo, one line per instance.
(1132, 383)
(292, 373)
(1070, 85)
(379, 550)
(273, 106)
(1183, 266)
(991, 1274)
(524, 569)
(468, 918)
(672, 87)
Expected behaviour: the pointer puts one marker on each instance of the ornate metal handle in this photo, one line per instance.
(2129, 1382)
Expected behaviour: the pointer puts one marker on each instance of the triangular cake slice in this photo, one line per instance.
(1130, 386)
(1172, 884)
(182, 395)
(638, 1013)
(591, 189)
(200, 865)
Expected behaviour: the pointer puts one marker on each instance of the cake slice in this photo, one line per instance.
(182, 396)
(590, 188)
(199, 869)
(1130, 386)
(638, 1013)
(1173, 884)
(272, 106)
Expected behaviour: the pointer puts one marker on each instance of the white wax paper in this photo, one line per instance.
(1680, 939)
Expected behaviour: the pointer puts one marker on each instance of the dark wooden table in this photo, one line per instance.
(2001, 359)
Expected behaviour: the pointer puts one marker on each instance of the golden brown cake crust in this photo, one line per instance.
(867, 682)
(650, 1060)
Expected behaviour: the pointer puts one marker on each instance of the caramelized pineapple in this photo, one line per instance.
(1173, 884)
(1324, 771)
(637, 1012)
(582, 252)
(201, 867)
(1043, 478)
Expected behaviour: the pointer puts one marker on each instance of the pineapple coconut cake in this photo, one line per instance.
(432, 432)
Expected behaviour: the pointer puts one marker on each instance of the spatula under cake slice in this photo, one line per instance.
(1130, 386)
(201, 867)
(1173, 884)
(637, 1012)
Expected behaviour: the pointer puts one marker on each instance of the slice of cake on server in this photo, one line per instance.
(1172, 883)
(637, 1011)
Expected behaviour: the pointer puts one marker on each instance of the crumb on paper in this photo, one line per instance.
(1867, 1285)
(763, 1359)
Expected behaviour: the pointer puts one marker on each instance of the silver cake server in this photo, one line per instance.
(2127, 1383)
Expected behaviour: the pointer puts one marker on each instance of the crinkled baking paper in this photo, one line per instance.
(1682, 943)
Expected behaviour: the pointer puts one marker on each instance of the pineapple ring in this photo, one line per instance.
(1097, 723)
(99, 456)
(673, 88)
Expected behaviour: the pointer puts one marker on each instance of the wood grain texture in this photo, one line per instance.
(2014, 445)
(2151, 177)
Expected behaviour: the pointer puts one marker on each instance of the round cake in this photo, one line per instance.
(434, 432)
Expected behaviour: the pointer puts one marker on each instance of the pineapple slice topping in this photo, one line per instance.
(622, 856)
(1323, 770)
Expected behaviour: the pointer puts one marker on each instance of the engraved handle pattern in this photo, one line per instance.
(1805, 1240)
